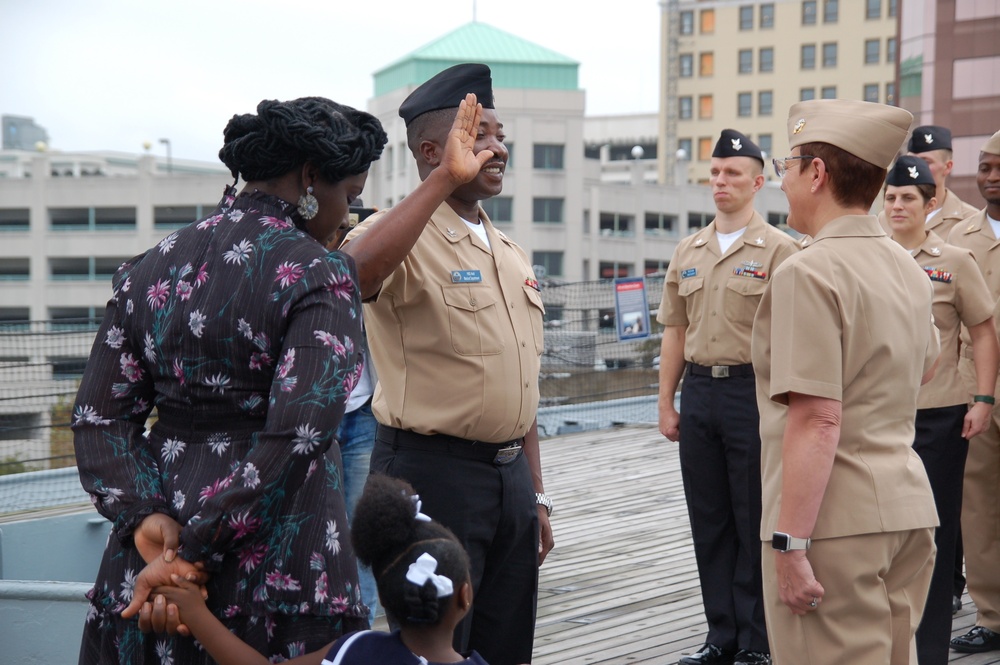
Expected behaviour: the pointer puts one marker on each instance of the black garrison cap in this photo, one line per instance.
(909, 170)
(734, 144)
(447, 89)
(929, 137)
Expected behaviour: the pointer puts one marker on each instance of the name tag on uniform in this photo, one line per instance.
(465, 276)
(690, 272)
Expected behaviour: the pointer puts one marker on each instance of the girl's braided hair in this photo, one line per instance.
(341, 141)
(388, 537)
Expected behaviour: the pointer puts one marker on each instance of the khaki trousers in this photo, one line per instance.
(981, 516)
(875, 586)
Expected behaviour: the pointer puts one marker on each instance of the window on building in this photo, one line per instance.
(872, 47)
(499, 209)
(707, 21)
(612, 269)
(551, 263)
(655, 267)
(765, 102)
(746, 61)
(616, 224)
(547, 210)
(830, 54)
(746, 17)
(548, 156)
(685, 145)
(14, 318)
(687, 23)
(510, 154)
(808, 58)
(831, 11)
(890, 50)
(658, 223)
(829, 92)
(805, 94)
(744, 104)
(777, 218)
(767, 15)
(705, 148)
(870, 92)
(890, 93)
(765, 142)
(685, 108)
(767, 59)
(809, 12)
(92, 219)
(699, 220)
(15, 269)
(14, 219)
(873, 9)
(705, 107)
(892, 8)
(706, 64)
(686, 65)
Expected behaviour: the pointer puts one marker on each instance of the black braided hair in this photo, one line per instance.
(341, 141)
(387, 537)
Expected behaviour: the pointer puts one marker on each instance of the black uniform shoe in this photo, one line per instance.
(956, 605)
(977, 640)
(744, 657)
(708, 655)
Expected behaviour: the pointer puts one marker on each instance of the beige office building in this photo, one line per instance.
(741, 65)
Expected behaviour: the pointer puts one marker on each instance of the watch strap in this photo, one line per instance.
(543, 500)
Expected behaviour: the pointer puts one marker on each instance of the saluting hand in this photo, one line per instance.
(460, 159)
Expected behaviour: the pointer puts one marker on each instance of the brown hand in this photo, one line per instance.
(460, 159)
(156, 535)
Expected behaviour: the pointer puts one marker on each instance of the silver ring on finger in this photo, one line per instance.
(814, 603)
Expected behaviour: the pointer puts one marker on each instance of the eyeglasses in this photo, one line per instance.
(781, 165)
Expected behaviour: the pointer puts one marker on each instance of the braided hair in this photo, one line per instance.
(341, 141)
(388, 537)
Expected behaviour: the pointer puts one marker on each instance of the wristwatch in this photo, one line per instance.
(544, 500)
(785, 543)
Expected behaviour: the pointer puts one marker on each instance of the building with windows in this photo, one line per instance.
(742, 64)
(949, 74)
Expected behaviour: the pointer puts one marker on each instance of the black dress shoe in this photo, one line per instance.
(956, 605)
(708, 655)
(744, 657)
(977, 640)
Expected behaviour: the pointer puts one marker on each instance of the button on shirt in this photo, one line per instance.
(456, 334)
(716, 295)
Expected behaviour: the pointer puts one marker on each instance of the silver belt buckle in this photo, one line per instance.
(720, 372)
(507, 454)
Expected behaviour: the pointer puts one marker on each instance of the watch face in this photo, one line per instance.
(779, 541)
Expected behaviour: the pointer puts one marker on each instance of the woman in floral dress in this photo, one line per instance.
(243, 332)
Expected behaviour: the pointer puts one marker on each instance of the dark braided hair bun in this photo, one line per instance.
(341, 141)
(387, 537)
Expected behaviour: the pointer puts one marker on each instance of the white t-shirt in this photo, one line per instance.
(726, 240)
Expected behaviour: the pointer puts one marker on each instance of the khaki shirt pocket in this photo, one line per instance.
(743, 295)
(690, 289)
(473, 320)
(536, 313)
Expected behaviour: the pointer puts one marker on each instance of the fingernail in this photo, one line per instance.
(158, 600)
(169, 555)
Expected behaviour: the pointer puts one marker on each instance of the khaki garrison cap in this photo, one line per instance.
(993, 145)
(872, 132)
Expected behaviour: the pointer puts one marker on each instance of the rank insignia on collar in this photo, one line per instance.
(533, 283)
(759, 241)
(935, 251)
(699, 242)
(452, 232)
(938, 275)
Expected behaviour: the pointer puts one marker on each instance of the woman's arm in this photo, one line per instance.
(225, 647)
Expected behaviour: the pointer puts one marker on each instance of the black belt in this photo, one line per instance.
(721, 371)
(190, 421)
(497, 453)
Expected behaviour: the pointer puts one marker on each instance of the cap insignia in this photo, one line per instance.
(912, 170)
(799, 125)
(929, 138)
(737, 145)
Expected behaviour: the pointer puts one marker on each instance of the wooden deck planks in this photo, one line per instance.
(621, 587)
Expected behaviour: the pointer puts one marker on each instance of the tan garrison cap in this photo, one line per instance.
(873, 132)
(993, 145)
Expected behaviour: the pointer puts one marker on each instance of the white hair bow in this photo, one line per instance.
(423, 569)
(420, 517)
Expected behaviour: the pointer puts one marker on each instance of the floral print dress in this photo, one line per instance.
(243, 332)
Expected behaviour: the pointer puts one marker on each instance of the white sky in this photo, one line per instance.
(111, 74)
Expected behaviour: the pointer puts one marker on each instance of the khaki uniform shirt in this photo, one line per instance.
(976, 234)
(716, 295)
(952, 211)
(849, 319)
(961, 297)
(456, 334)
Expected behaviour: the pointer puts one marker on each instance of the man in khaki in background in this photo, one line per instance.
(841, 342)
(981, 492)
(711, 291)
